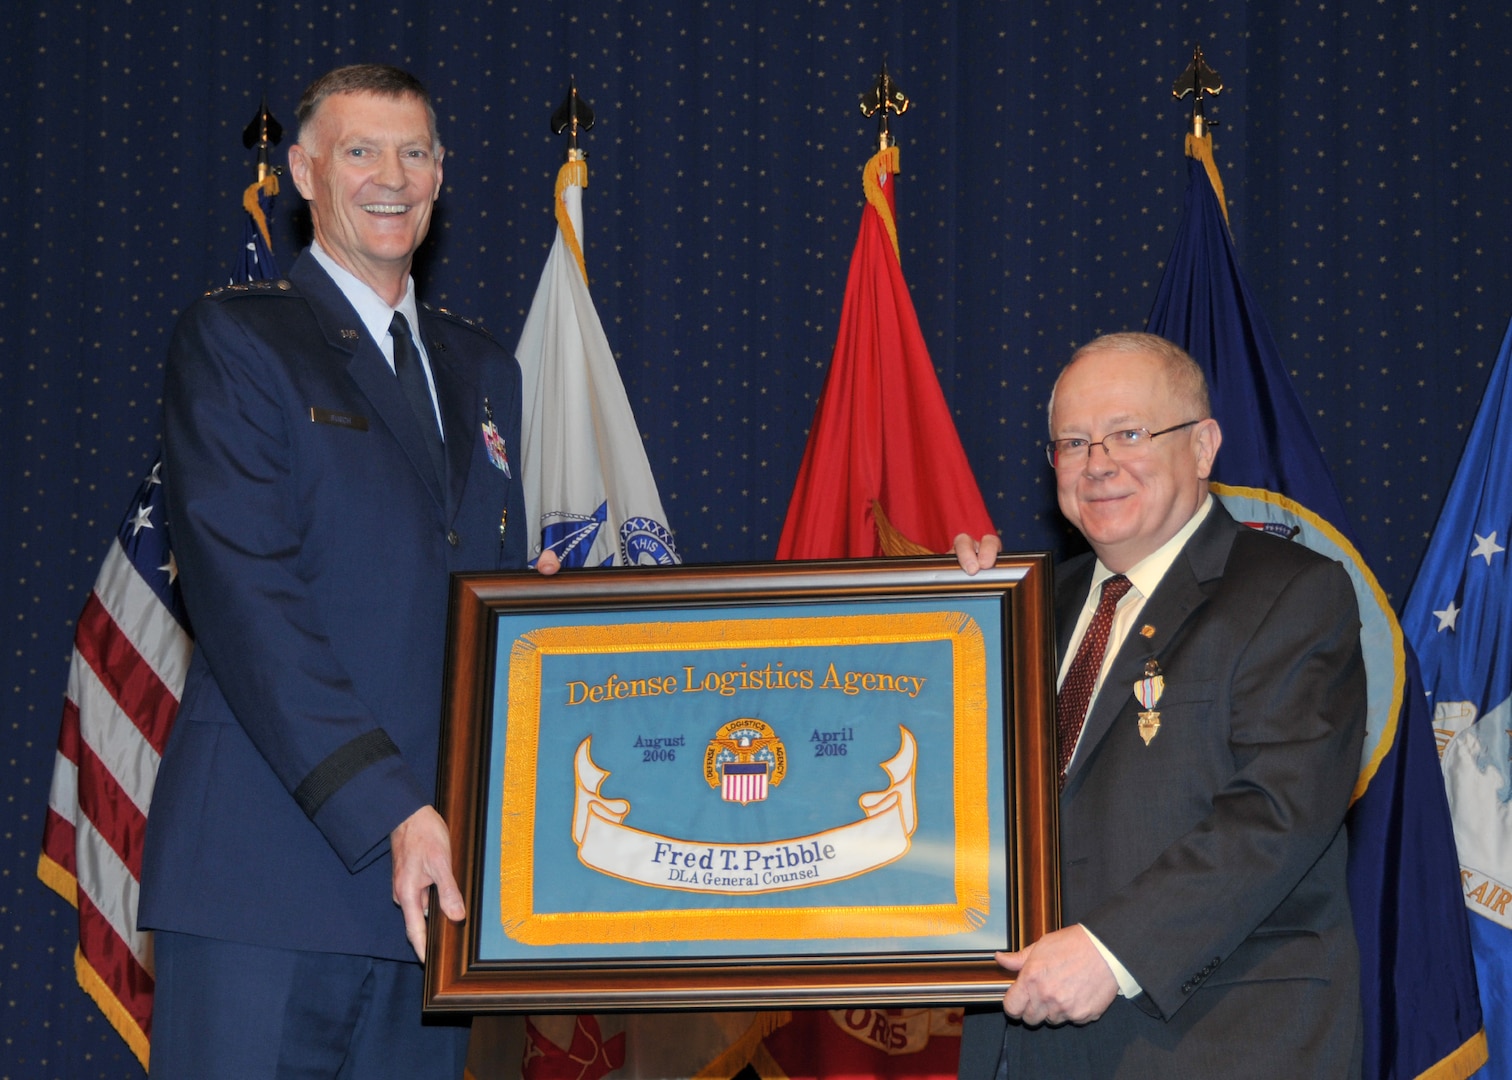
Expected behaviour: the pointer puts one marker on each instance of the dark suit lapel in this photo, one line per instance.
(1178, 596)
(366, 364)
(461, 409)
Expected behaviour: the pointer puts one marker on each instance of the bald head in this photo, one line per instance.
(1185, 379)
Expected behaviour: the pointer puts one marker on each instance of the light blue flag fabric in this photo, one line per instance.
(1459, 618)
(1421, 1010)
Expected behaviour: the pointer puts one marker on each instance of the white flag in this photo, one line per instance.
(589, 494)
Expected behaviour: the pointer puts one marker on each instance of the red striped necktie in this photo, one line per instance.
(1075, 693)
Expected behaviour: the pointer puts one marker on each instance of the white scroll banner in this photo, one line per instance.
(663, 862)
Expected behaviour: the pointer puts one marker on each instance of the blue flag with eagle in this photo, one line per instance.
(1459, 618)
(589, 494)
(1421, 1010)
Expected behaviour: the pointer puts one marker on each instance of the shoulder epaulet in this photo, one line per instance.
(460, 320)
(269, 286)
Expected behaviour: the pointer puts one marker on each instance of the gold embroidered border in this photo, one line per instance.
(967, 912)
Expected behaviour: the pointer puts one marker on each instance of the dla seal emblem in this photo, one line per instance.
(744, 758)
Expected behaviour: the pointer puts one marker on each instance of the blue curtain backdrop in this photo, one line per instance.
(1364, 148)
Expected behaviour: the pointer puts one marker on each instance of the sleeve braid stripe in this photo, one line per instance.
(330, 775)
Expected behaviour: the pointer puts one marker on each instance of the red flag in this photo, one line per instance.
(857, 1043)
(884, 472)
(869, 1044)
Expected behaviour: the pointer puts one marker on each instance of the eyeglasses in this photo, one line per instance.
(1130, 445)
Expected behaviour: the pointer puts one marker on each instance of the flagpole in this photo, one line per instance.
(1200, 81)
(262, 133)
(573, 116)
(881, 99)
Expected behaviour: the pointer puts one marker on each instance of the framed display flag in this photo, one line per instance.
(765, 785)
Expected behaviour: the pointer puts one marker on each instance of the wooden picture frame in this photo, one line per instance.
(746, 786)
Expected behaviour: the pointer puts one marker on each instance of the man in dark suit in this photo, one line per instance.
(1206, 924)
(333, 451)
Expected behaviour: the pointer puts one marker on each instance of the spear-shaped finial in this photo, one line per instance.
(575, 115)
(1198, 79)
(881, 99)
(264, 132)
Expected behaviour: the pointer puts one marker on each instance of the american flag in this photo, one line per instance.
(131, 651)
(745, 783)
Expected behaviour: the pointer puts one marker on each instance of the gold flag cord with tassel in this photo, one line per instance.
(886, 161)
(573, 173)
(892, 540)
(1200, 148)
(268, 185)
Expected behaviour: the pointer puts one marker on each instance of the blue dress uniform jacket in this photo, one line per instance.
(314, 542)
(1211, 861)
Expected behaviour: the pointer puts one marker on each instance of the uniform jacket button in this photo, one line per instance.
(452, 538)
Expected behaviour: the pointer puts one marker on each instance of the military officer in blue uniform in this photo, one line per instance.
(334, 450)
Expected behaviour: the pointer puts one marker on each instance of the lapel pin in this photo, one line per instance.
(348, 334)
(1148, 691)
(1146, 631)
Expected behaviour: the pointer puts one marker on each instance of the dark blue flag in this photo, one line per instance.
(1417, 976)
(1459, 619)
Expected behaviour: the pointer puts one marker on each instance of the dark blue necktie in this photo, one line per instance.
(412, 379)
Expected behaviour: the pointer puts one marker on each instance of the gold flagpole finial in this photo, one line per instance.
(263, 133)
(1198, 80)
(881, 99)
(575, 115)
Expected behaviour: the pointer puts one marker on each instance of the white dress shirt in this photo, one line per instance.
(377, 316)
(1143, 577)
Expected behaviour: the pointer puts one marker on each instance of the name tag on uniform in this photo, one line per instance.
(339, 419)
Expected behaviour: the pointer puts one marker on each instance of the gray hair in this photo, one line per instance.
(383, 80)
